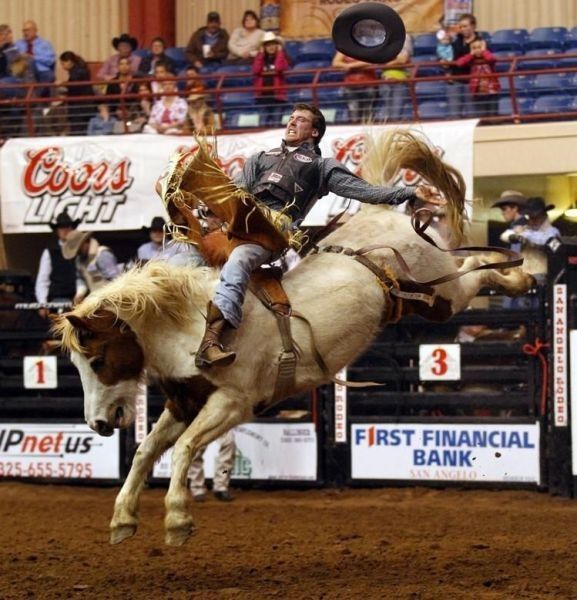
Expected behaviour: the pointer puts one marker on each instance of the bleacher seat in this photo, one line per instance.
(573, 106)
(485, 35)
(242, 119)
(300, 95)
(178, 57)
(317, 50)
(424, 68)
(236, 75)
(552, 104)
(142, 52)
(524, 105)
(292, 49)
(509, 39)
(568, 62)
(426, 43)
(431, 90)
(538, 64)
(571, 40)
(547, 37)
(232, 99)
(329, 94)
(438, 110)
(335, 113)
(551, 83)
(292, 77)
(334, 76)
(572, 85)
(503, 66)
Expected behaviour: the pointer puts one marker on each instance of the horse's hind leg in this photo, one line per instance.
(125, 519)
(220, 413)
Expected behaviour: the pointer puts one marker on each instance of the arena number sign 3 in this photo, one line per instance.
(40, 372)
(439, 362)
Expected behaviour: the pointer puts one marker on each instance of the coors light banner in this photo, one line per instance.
(108, 181)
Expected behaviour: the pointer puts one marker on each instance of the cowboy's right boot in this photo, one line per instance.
(211, 351)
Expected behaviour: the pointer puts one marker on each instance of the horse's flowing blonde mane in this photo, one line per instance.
(403, 149)
(156, 291)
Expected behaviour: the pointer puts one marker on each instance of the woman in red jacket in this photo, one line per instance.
(268, 68)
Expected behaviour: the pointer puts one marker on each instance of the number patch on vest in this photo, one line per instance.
(274, 177)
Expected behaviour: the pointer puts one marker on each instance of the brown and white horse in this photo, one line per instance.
(151, 320)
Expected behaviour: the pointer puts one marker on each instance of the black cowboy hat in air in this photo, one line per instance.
(369, 31)
(125, 37)
(536, 206)
(157, 224)
(64, 220)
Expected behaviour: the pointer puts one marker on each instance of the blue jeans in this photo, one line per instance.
(459, 100)
(395, 96)
(234, 278)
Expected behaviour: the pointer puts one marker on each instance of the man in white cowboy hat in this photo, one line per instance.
(56, 278)
(125, 45)
(96, 264)
(153, 248)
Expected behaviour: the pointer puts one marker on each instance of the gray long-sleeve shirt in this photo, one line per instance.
(334, 177)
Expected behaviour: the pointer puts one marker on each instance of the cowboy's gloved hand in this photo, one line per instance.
(430, 195)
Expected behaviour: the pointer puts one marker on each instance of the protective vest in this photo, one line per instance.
(62, 275)
(289, 179)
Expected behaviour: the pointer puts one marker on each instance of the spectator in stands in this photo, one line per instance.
(96, 265)
(40, 51)
(125, 45)
(8, 51)
(79, 111)
(360, 98)
(157, 53)
(103, 123)
(142, 111)
(56, 278)
(200, 115)
(458, 93)
(269, 68)
(208, 46)
(161, 71)
(169, 112)
(153, 248)
(444, 49)
(15, 68)
(484, 90)
(223, 466)
(396, 95)
(245, 41)
(123, 83)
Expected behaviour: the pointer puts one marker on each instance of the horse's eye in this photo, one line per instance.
(97, 364)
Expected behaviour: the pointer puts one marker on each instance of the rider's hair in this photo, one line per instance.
(319, 122)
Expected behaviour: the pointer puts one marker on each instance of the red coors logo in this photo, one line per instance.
(47, 173)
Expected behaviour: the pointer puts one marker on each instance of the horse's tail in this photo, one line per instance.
(402, 149)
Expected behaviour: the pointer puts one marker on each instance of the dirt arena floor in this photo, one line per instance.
(391, 543)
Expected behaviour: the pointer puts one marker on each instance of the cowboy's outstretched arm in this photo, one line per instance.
(346, 184)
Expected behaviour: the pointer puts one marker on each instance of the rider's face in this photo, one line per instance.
(300, 128)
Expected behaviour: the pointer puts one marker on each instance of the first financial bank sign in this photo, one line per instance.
(437, 452)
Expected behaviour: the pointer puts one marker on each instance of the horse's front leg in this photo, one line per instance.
(125, 519)
(221, 413)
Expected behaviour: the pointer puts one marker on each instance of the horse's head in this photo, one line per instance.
(110, 361)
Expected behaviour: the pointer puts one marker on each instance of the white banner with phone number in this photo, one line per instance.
(57, 451)
(108, 181)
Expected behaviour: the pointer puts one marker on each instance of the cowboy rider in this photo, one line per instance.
(288, 179)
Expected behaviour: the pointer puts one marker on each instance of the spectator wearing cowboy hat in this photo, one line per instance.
(56, 279)
(208, 45)
(125, 45)
(269, 68)
(511, 203)
(153, 248)
(96, 265)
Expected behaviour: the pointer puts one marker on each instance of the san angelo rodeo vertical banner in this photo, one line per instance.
(314, 18)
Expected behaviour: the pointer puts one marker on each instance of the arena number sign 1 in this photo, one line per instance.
(439, 362)
(40, 372)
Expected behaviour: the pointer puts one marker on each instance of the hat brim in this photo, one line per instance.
(69, 251)
(510, 200)
(73, 224)
(537, 211)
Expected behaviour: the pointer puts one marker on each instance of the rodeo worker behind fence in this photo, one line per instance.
(282, 185)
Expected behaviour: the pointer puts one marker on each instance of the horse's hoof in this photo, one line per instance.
(121, 532)
(177, 537)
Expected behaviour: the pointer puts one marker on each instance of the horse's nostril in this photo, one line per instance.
(103, 428)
